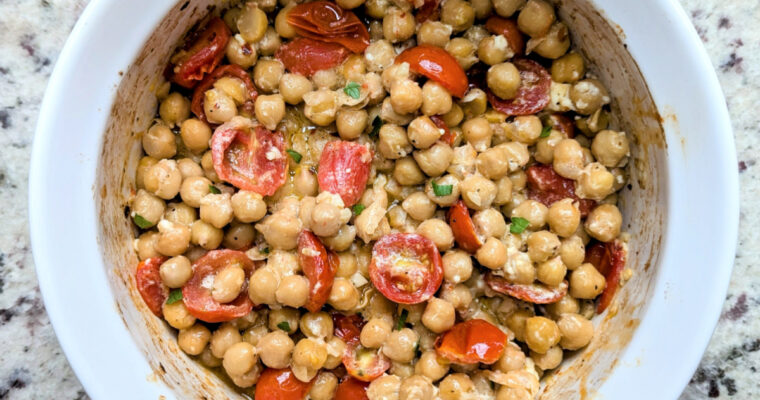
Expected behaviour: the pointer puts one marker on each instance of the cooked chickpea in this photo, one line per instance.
(549, 360)
(536, 18)
(526, 129)
(503, 191)
(478, 133)
(343, 295)
(568, 68)
(423, 132)
(293, 87)
(457, 266)
(434, 33)
(385, 387)
(195, 134)
(145, 245)
(595, 182)
(435, 99)
(552, 271)
(173, 238)
(431, 366)
(406, 96)
(375, 333)
(310, 353)
(206, 235)
(252, 22)
(586, 282)
(263, 286)
(275, 349)
(177, 315)
(270, 110)
(293, 291)
(393, 142)
(267, 75)
(493, 163)
(604, 222)
(576, 331)
(512, 359)
(351, 123)
(478, 192)
(188, 168)
(458, 14)
(175, 271)
(180, 213)
(489, 222)
(516, 323)
(569, 159)
(248, 206)
(216, 209)
(564, 217)
(463, 50)
(493, 50)
(438, 231)
(542, 245)
(407, 172)
(588, 96)
(318, 325)
(492, 254)
(321, 106)
(458, 295)
(174, 109)
(218, 106)
(444, 200)
(325, 383)
(400, 345)
(148, 206)
(610, 147)
(506, 8)
(342, 240)
(455, 387)
(398, 24)
(193, 189)
(193, 340)
(228, 283)
(435, 160)
(439, 315)
(242, 54)
(239, 358)
(572, 251)
(158, 142)
(567, 304)
(541, 334)
(533, 211)
(419, 206)
(556, 43)
(142, 168)
(163, 179)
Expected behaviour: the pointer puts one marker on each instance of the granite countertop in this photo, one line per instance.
(32, 364)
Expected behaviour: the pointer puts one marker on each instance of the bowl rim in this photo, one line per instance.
(94, 349)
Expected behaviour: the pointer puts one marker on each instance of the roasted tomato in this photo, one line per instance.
(232, 71)
(202, 53)
(463, 227)
(347, 327)
(508, 29)
(319, 265)
(197, 294)
(437, 64)
(149, 284)
(429, 10)
(547, 186)
(470, 342)
(448, 137)
(365, 364)
(533, 94)
(327, 22)
(344, 170)
(306, 56)
(406, 267)
(535, 293)
(281, 384)
(250, 158)
(352, 389)
(563, 124)
(609, 258)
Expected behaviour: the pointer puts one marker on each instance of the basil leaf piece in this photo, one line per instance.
(518, 224)
(358, 208)
(174, 296)
(546, 131)
(284, 325)
(352, 89)
(402, 319)
(265, 250)
(141, 221)
(296, 156)
(213, 189)
(441, 190)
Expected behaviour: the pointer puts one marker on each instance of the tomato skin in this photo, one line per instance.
(241, 156)
(230, 70)
(532, 293)
(205, 53)
(352, 389)
(609, 259)
(563, 124)
(429, 10)
(320, 269)
(470, 342)
(347, 327)
(344, 170)
(307, 56)
(152, 289)
(365, 364)
(461, 224)
(533, 94)
(508, 29)
(413, 250)
(198, 299)
(448, 137)
(437, 64)
(547, 186)
(281, 384)
(327, 22)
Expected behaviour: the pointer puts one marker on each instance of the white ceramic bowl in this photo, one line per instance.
(681, 209)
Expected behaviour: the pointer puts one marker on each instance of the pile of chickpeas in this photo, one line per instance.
(190, 211)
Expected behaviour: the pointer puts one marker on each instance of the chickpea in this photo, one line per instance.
(180, 213)
(379, 55)
(564, 217)
(270, 109)
(542, 245)
(216, 209)
(375, 333)
(549, 360)
(536, 18)
(458, 295)
(576, 331)
(493, 163)
(506, 8)
(603, 223)
(503, 191)
(293, 291)
(398, 25)
(435, 99)
(492, 254)
(533, 211)
(208, 359)
(248, 206)
(572, 251)
(586, 282)
(175, 271)
(439, 315)
(293, 87)
(526, 129)
(434, 33)
(228, 283)
(551, 272)
(512, 359)
(568, 68)
(385, 387)
(457, 266)
(588, 96)
(455, 386)
(309, 353)
(148, 206)
(195, 134)
(342, 240)
(275, 349)
(400, 345)
(567, 304)
(541, 334)
(569, 159)
(423, 132)
(142, 168)
(463, 50)
(343, 295)
(516, 323)
(242, 54)
(494, 49)
(435, 160)
(173, 238)
(239, 358)
(478, 192)
(595, 182)
(458, 14)
(145, 245)
(392, 142)
(218, 106)
(177, 315)
(193, 189)
(207, 163)
(444, 200)
(321, 106)
(188, 168)
(407, 172)
(252, 23)
(163, 179)
(267, 75)
(610, 147)
(419, 206)
(326, 382)
(263, 285)
(439, 232)
(158, 142)
(318, 325)
(174, 109)
(193, 340)
(406, 96)
(478, 133)
(490, 222)
(351, 123)
(431, 366)
(206, 235)
(281, 25)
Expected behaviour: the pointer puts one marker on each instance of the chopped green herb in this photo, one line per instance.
(142, 222)
(352, 89)
(377, 123)
(545, 132)
(284, 325)
(213, 189)
(296, 156)
(402, 319)
(174, 296)
(518, 225)
(358, 208)
(441, 190)
(265, 250)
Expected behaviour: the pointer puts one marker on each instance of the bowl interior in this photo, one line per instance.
(643, 202)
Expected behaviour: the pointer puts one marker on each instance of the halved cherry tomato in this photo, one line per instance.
(352, 389)
(319, 266)
(533, 94)
(508, 29)
(436, 64)
(547, 186)
(307, 56)
(347, 327)
(365, 364)
(463, 227)
(344, 170)
(327, 22)
(281, 384)
(406, 267)
(609, 258)
(470, 342)
(535, 293)
(254, 161)
(429, 10)
(231, 70)
(197, 294)
(149, 284)
(202, 54)
(563, 124)
(448, 137)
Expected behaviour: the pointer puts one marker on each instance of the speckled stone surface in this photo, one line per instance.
(32, 365)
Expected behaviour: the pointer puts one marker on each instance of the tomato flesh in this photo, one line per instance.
(319, 266)
(429, 10)
(344, 170)
(508, 29)
(224, 71)
(281, 384)
(532, 293)
(307, 56)
(152, 289)
(203, 55)
(365, 364)
(197, 294)
(406, 267)
(327, 22)
(470, 342)
(533, 94)
(347, 327)
(609, 258)
(352, 389)
(463, 227)
(437, 64)
(249, 158)
(547, 186)
(563, 124)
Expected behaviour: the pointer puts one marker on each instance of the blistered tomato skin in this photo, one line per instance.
(347, 327)
(535, 293)
(307, 56)
(437, 64)
(609, 258)
(281, 384)
(533, 94)
(406, 267)
(149, 284)
(325, 21)
(233, 71)
(464, 229)
(344, 170)
(470, 342)
(547, 187)
(319, 266)
(352, 389)
(203, 55)
(250, 158)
